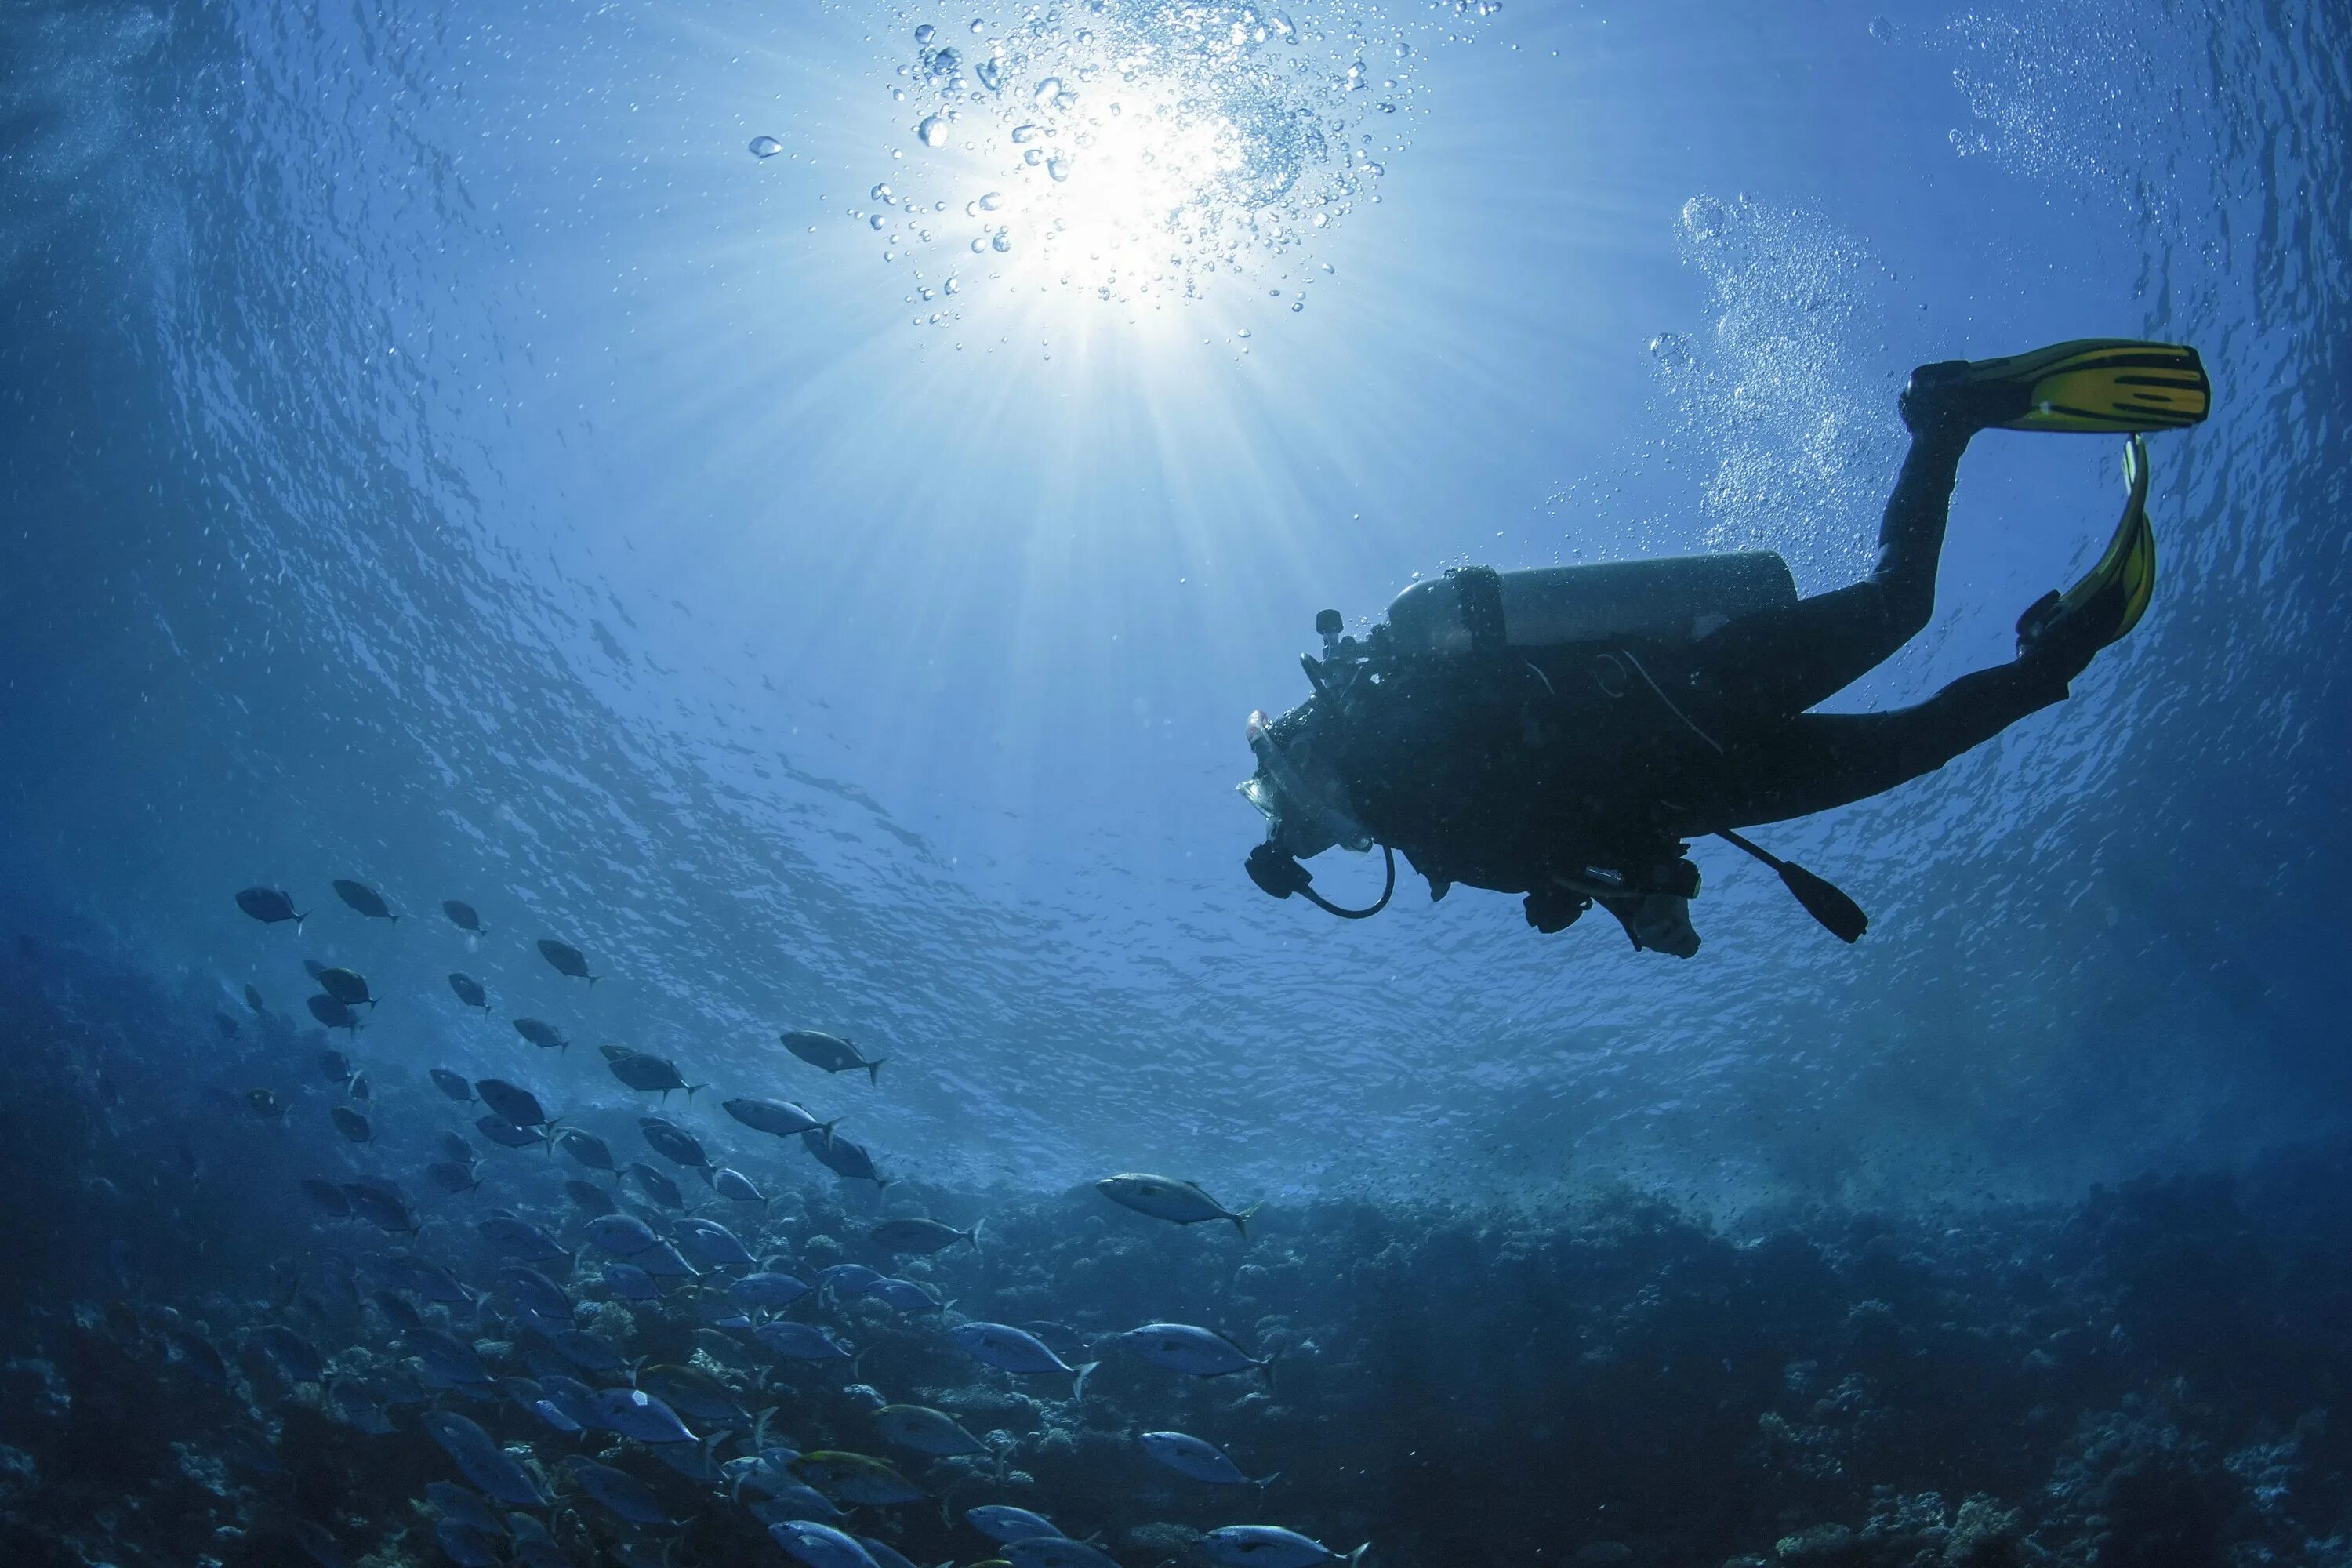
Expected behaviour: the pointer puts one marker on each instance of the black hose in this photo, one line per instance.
(1328, 907)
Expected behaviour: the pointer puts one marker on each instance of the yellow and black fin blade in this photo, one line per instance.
(2098, 386)
(2114, 594)
(2124, 580)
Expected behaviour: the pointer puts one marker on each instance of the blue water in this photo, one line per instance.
(436, 450)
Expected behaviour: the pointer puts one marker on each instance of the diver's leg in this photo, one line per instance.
(1778, 662)
(1817, 761)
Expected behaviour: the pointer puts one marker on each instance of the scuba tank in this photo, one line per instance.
(1676, 599)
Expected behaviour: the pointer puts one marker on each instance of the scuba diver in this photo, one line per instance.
(1564, 732)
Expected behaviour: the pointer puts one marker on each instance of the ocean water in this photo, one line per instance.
(798, 503)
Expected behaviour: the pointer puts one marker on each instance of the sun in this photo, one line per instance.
(1140, 151)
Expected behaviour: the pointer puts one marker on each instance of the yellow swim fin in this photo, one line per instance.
(2098, 386)
(2113, 596)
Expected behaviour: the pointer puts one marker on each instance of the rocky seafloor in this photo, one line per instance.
(2150, 1377)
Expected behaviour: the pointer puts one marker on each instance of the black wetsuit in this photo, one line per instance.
(1536, 770)
(1755, 677)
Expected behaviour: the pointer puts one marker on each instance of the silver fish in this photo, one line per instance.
(595, 1200)
(1040, 1551)
(1270, 1546)
(566, 960)
(570, 1396)
(499, 1130)
(381, 1204)
(654, 1185)
(851, 1161)
(618, 1490)
(846, 1280)
(801, 1341)
(511, 1103)
(712, 1244)
(348, 986)
(693, 1393)
(1016, 1351)
(454, 1501)
(631, 1283)
(634, 1413)
(907, 1296)
(924, 1236)
(674, 1142)
(779, 1117)
(589, 1353)
(1202, 1353)
(1188, 1455)
(663, 1262)
(269, 906)
(464, 1544)
(483, 1461)
(365, 899)
(1164, 1197)
(622, 1235)
(518, 1237)
(448, 1357)
(819, 1545)
(1005, 1524)
(653, 1074)
(527, 1288)
(290, 1353)
(768, 1289)
(926, 1431)
(735, 1186)
(832, 1052)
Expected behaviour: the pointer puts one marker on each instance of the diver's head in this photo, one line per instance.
(1295, 789)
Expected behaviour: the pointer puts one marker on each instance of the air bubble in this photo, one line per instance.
(1706, 220)
(766, 146)
(933, 130)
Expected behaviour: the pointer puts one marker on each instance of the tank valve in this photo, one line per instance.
(1328, 625)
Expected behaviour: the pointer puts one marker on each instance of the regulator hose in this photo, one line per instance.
(1328, 907)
